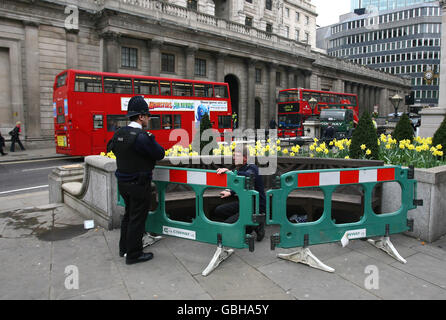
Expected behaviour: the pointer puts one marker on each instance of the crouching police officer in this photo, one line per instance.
(136, 152)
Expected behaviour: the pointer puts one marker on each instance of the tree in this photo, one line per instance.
(198, 141)
(403, 129)
(364, 135)
(440, 135)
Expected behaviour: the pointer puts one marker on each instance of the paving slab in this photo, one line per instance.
(393, 283)
(305, 283)
(235, 279)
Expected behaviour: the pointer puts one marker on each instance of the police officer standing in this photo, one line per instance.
(136, 152)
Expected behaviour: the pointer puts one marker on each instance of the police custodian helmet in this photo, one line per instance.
(137, 105)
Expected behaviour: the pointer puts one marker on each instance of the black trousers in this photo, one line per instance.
(1, 150)
(137, 205)
(13, 141)
(229, 213)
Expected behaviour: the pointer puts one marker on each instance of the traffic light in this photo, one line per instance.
(410, 99)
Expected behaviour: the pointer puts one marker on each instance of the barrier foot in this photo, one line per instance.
(220, 255)
(148, 239)
(384, 244)
(305, 256)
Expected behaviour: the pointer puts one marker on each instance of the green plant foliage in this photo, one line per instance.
(440, 135)
(403, 129)
(364, 136)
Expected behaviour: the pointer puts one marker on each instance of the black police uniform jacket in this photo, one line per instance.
(136, 153)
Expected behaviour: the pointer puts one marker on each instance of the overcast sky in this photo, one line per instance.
(329, 10)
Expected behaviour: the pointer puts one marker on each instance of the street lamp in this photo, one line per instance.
(312, 102)
(396, 100)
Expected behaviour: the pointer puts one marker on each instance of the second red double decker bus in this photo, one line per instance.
(89, 107)
(294, 107)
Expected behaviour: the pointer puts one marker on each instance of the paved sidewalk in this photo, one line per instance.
(41, 244)
(39, 241)
(30, 154)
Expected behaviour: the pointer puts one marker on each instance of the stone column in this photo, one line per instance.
(220, 76)
(190, 62)
(361, 100)
(301, 79)
(248, 110)
(271, 109)
(383, 102)
(72, 55)
(155, 57)
(348, 88)
(307, 83)
(32, 128)
(291, 83)
(111, 51)
(431, 118)
(377, 97)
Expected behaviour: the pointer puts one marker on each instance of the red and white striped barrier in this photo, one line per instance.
(317, 179)
(190, 177)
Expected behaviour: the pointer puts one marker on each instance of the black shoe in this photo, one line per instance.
(121, 253)
(260, 231)
(4, 154)
(142, 258)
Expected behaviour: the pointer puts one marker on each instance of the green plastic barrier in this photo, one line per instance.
(201, 228)
(325, 230)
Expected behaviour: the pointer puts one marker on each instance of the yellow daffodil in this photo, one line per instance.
(368, 152)
(363, 147)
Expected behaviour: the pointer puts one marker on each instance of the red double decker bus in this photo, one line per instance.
(294, 108)
(89, 107)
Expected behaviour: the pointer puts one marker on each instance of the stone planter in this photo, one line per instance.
(429, 219)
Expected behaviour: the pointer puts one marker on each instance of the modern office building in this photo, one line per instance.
(399, 37)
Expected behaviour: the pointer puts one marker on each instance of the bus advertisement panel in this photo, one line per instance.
(88, 107)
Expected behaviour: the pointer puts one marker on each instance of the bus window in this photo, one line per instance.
(165, 88)
(203, 90)
(167, 121)
(117, 85)
(306, 96)
(220, 91)
(224, 122)
(98, 121)
(61, 80)
(353, 100)
(154, 123)
(116, 121)
(177, 121)
(88, 83)
(149, 87)
(182, 89)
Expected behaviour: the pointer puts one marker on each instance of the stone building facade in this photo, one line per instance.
(40, 38)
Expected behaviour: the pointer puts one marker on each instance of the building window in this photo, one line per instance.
(307, 20)
(167, 62)
(287, 12)
(297, 36)
(268, 4)
(129, 57)
(269, 28)
(258, 75)
(200, 67)
(307, 37)
(192, 4)
(297, 16)
(248, 21)
(287, 31)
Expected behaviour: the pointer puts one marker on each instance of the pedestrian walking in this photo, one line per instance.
(15, 137)
(136, 153)
(2, 144)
